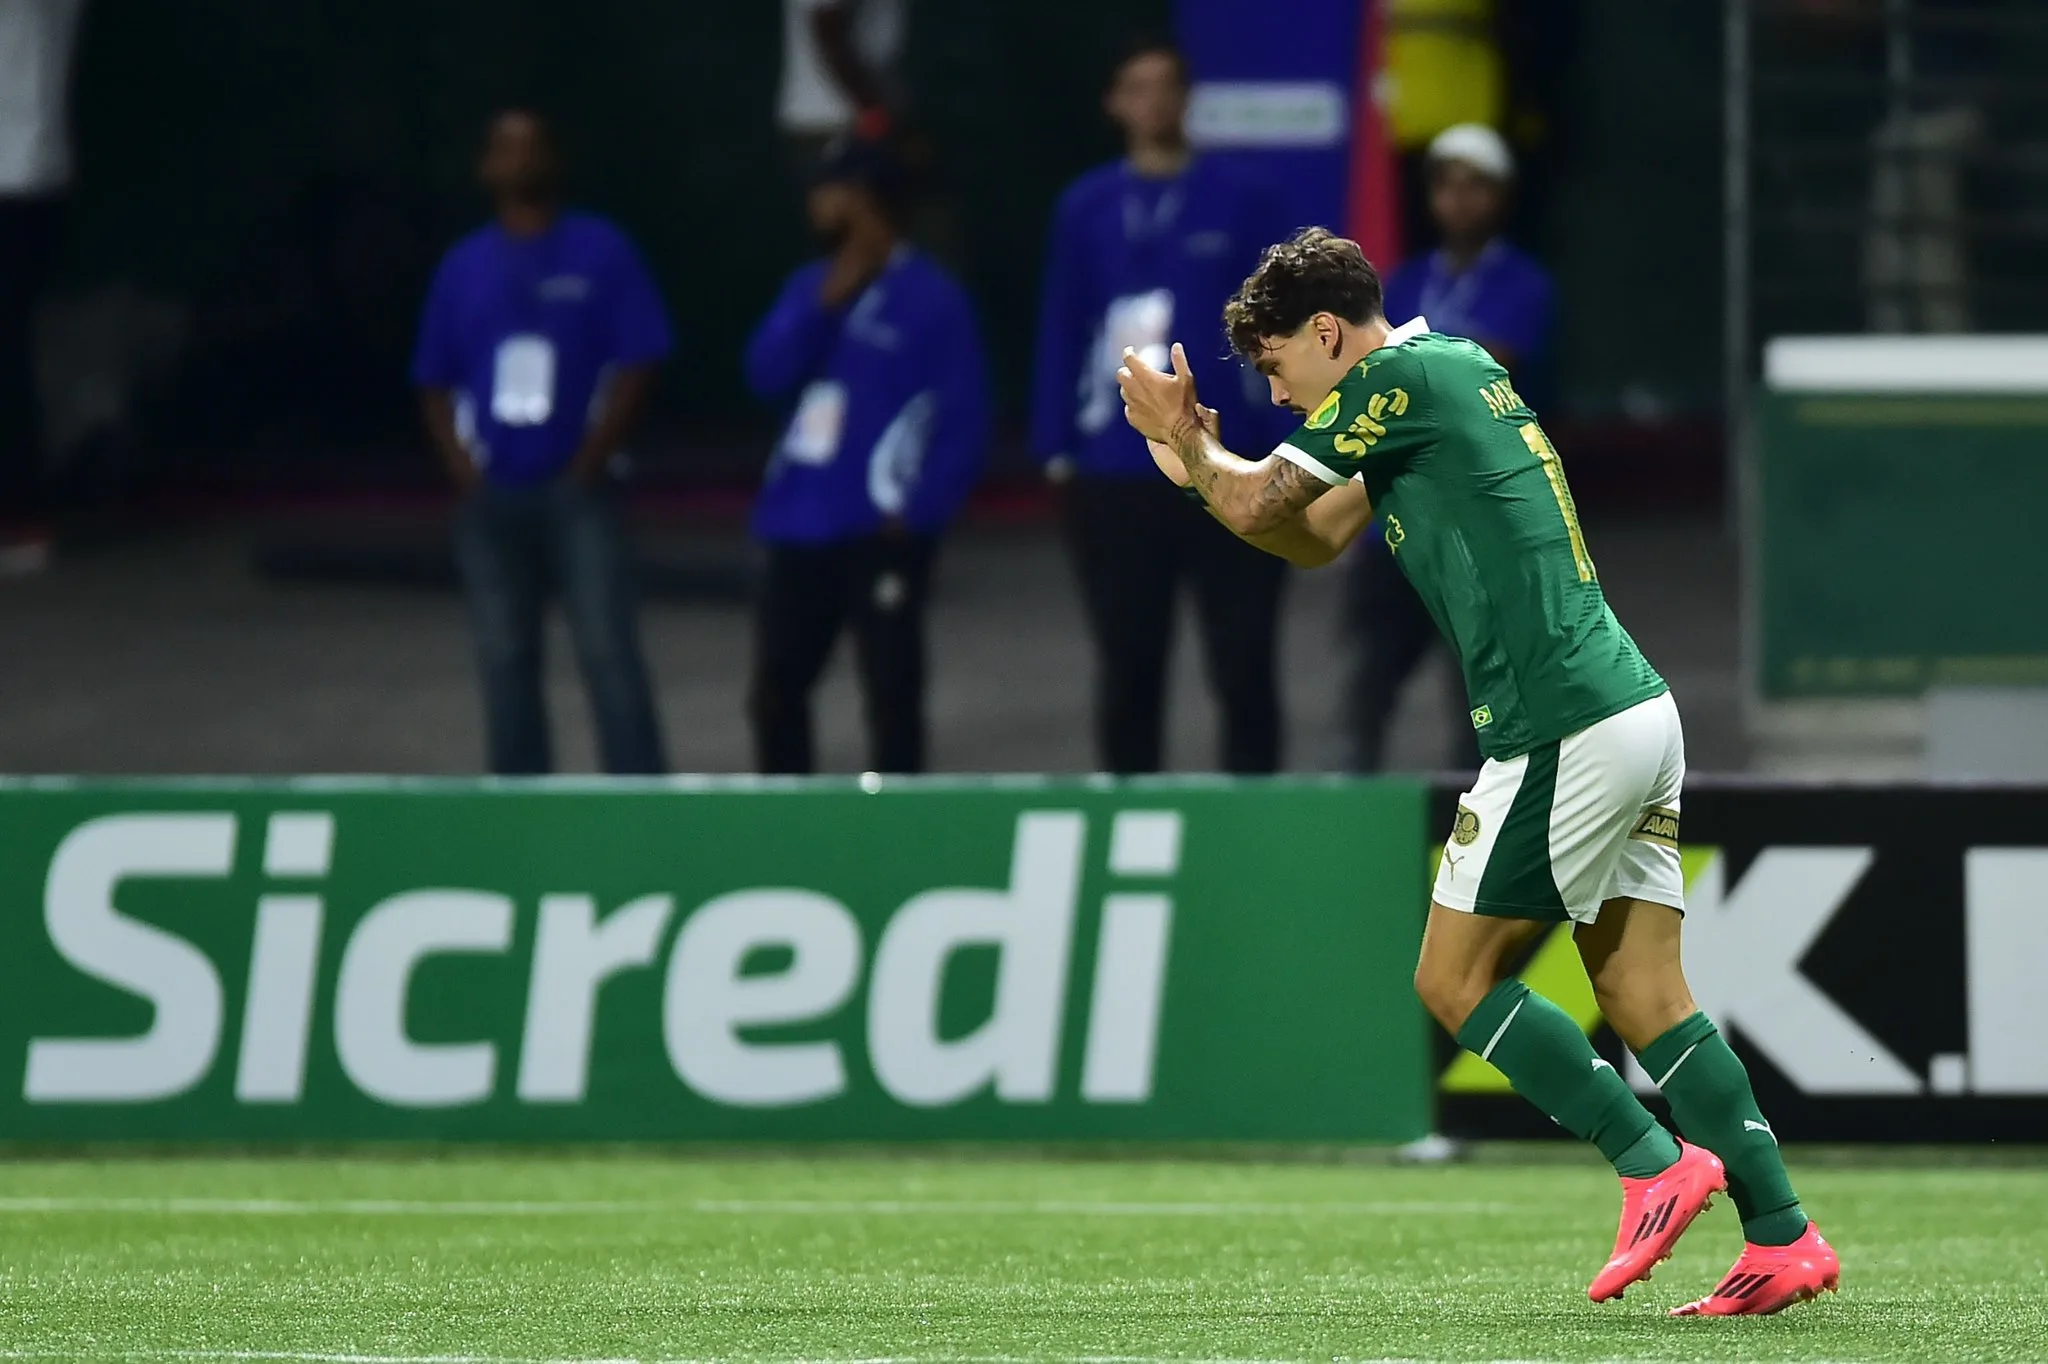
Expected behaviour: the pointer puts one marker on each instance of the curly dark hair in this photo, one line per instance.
(1314, 271)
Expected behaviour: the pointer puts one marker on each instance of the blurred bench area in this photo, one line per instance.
(250, 568)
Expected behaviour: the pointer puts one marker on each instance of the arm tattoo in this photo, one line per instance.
(1287, 491)
(1249, 497)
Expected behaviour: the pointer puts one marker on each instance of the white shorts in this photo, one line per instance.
(1564, 828)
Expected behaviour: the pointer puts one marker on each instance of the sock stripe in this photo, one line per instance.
(1666, 1078)
(1502, 1030)
(1713, 1103)
(1546, 1057)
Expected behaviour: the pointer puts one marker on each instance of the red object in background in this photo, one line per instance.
(1372, 213)
(872, 124)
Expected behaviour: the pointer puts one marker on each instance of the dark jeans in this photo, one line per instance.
(28, 250)
(1134, 542)
(877, 584)
(1392, 634)
(517, 546)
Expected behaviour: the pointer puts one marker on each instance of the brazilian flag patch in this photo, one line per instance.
(1325, 415)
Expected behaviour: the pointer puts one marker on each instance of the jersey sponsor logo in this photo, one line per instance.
(1658, 825)
(1482, 717)
(1395, 534)
(1363, 435)
(1465, 828)
(1368, 426)
(1325, 415)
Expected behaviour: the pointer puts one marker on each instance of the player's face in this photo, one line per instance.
(1301, 369)
(1148, 100)
(1466, 204)
(518, 159)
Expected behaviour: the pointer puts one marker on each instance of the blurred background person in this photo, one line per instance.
(1443, 64)
(1144, 252)
(1477, 285)
(873, 349)
(36, 39)
(843, 76)
(840, 61)
(538, 348)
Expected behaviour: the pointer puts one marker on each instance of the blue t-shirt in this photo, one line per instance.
(524, 331)
(1141, 262)
(1501, 300)
(888, 404)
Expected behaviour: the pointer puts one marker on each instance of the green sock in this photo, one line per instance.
(1552, 1065)
(1712, 1104)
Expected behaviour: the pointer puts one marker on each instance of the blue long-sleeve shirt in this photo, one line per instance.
(1142, 262)
(889, 404)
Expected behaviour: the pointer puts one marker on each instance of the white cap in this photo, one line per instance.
(1478, 146)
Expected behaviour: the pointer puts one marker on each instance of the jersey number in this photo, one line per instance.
(1553, 469)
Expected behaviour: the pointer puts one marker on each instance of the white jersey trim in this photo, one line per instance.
(1302, 458)
(1408, 331)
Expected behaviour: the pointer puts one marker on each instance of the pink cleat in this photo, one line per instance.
(1654, 1213)
(1770, 1279)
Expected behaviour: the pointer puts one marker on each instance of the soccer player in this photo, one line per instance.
(1574, 817)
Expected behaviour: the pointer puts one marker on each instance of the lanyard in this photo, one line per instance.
(1450, 302)
(1146, 225)
(1143, 225)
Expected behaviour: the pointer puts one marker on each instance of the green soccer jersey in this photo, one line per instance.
(1473, 503)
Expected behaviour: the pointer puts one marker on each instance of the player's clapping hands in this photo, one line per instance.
(1156, 403)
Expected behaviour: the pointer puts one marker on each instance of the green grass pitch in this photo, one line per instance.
(489, 1259)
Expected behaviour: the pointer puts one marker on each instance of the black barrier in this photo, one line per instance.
(1877, 955)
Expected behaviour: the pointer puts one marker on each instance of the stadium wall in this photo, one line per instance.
(724, 960)
(1874, 953)
(980, 959)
